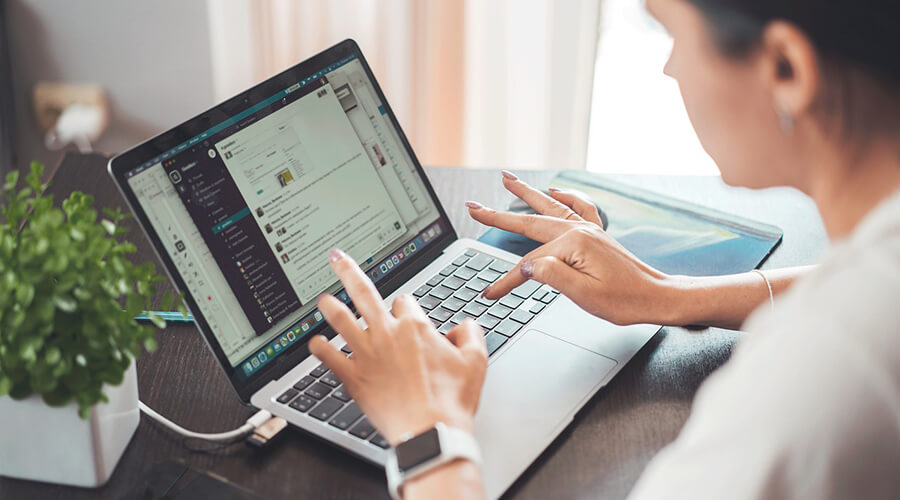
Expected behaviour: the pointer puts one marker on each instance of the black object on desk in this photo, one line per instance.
(671, 235)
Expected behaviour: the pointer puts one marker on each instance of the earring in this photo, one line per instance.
(786, 120)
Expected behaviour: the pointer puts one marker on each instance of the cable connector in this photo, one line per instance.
(264, 433)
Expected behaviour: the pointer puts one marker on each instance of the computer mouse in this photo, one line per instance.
(519, 206)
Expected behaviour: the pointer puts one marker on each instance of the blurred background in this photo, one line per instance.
(530, 84)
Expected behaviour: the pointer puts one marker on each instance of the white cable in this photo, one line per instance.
(252, 423)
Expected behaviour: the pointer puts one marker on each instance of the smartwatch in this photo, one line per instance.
(417, 455)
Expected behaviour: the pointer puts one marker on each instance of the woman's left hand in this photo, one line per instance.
(403, 374)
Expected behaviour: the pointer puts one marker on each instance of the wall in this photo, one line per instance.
(153, 58)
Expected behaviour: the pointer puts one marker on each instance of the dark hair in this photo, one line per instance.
(857, 42)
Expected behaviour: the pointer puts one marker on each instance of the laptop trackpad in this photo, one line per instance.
(530, 393)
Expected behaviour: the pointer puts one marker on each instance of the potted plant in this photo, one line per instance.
(68, 338)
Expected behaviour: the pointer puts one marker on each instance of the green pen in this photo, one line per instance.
(168, 316)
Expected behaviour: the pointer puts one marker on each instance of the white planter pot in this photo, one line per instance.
(54, 445)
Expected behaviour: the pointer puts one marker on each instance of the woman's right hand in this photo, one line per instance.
(578, 258)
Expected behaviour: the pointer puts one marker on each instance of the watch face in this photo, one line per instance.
(418, 450)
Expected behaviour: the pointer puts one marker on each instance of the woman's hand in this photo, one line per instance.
(578, 258)
(403, 374)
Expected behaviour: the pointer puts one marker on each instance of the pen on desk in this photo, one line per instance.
(168, 316)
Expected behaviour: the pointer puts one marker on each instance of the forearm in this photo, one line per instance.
(458, 479)
(724, 301)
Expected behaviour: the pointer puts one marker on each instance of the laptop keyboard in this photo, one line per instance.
(449, 297)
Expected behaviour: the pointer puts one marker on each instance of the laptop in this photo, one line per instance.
(242, 204)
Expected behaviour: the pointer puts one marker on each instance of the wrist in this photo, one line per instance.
(457, 419)
(678, 298)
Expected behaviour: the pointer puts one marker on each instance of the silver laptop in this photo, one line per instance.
(242, 204)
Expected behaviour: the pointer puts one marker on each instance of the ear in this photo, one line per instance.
(791, 68)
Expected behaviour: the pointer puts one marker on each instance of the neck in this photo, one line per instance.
(851, 187)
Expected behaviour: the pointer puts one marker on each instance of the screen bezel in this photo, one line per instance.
(120, 165)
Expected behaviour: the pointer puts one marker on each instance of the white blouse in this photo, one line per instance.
(809, 404)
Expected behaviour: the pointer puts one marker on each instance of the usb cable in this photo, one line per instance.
(260, 428)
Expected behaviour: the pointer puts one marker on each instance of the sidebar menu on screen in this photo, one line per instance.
(233, 236)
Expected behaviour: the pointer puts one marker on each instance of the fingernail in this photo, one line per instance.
(527, 269)
(485, 291)
(474, 204)
(335, 255)
(509, 175)
(554, 190)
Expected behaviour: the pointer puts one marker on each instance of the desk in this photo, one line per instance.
(600, 455)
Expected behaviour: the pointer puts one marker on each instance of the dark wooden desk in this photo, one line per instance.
(602, 453)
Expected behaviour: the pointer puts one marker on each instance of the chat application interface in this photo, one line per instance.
(249, 211)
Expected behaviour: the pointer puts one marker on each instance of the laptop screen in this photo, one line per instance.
(248, 209)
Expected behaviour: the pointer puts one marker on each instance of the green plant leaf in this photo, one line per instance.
(5, 385)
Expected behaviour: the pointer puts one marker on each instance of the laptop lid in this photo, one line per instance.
(243, 202)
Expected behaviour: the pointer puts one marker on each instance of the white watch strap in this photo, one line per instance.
(455, 443)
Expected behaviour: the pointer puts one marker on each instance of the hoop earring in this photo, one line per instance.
(786, 120)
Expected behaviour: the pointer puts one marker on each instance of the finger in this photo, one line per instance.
(360, 288)
(334, 359)
(537, 200)
(561, 276)
(468, 337)
(537, 227)
(519, 274)
(343, 321)
(577, 202)
(404, 305)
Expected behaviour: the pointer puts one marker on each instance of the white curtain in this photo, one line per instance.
(481, 83)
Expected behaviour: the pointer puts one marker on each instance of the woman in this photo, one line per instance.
(780, 92)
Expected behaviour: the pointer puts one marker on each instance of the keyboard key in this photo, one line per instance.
(287, 396)
(508, 327)
(470, 253)
(521, 315)
(304, 382)
(447, 271)
(379, 441)
(475, 309)
(303, 403)
(465, 294)
(435, 280)
(421, 291)
(494, 341)
(499, 311)
(526, 289)
(479, 262)
(319, 371)
(487, 321)
(459, 318)
(464, 273)
(446, 327)
(363, 429)
(441, 292)
(537, 307)
(511, 301)
(460, 260)
(318, 390)
(341, 393)
(453, 304)
(327, 408)
(346, 417)
(346, 349)
(538, 295)
(453, 283)
(428, 302)
(477, 284)
(485, 301)
(489, 275)
(331, 379)
(500, 266)
(547, 298)
(440, 314)
(435, 323)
